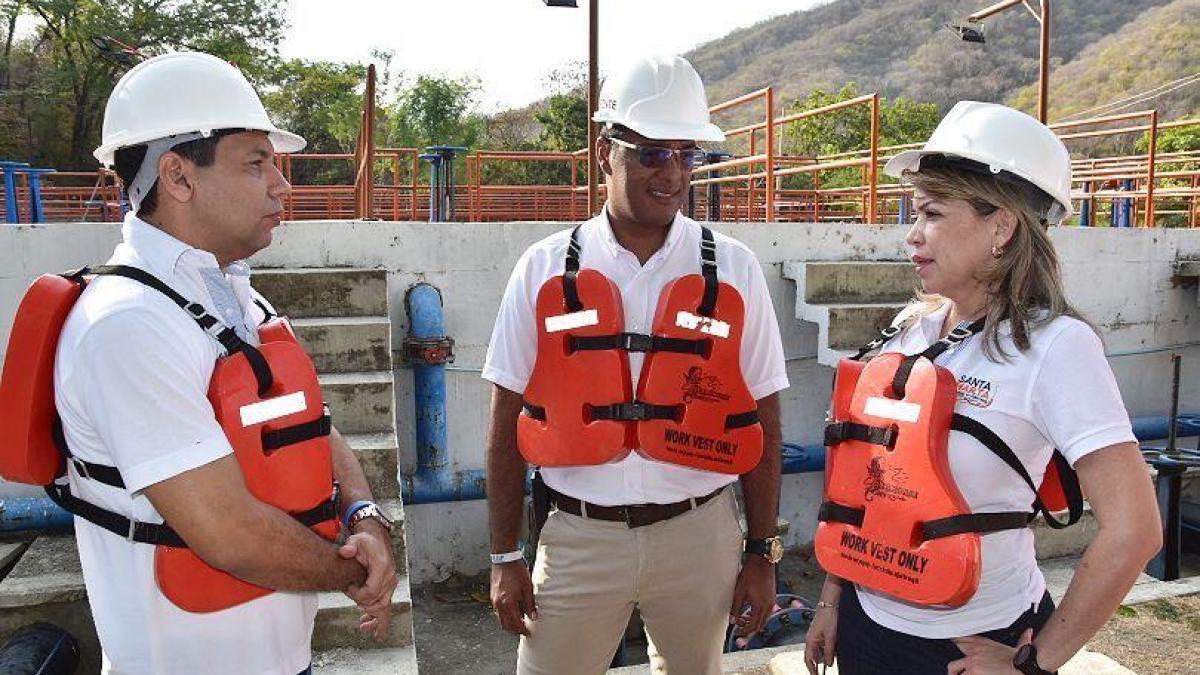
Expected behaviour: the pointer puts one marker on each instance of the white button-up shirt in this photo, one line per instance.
(513, 349)
(131, 380)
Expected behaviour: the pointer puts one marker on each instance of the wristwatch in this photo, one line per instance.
(770, 548)
(1025, 660)
(368, 510)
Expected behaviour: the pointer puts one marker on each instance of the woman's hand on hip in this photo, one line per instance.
(986, 657)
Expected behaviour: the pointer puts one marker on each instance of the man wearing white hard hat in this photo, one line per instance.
(1036, 404)
(636, 361)
(190, 139)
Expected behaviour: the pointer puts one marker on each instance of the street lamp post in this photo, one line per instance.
(972, 32)
(593, 177)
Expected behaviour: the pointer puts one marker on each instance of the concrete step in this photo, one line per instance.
(842, 329)
(302, 293)
(1059, 571)
(337, 622)
(347, 344)
(347, 661)
(377, 454)
(852, 281)
(361, 402)
(47, 585)
(394, 510)
(1069, 541)
(1189, 270)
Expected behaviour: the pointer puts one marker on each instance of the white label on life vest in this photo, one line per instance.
(901, 411)
(704, 324)
(557, 324)
(273, 408)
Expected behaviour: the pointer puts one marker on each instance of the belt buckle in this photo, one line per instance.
(637, 411)
(628, 513)
(637, 342)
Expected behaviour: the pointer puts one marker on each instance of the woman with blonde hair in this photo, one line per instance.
(1033, 372)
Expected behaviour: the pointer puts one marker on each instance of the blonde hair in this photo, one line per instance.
(1023, 284)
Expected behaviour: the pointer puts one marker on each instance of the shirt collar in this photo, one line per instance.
(614, 248)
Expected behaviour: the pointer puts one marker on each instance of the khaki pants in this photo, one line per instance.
(590, 574)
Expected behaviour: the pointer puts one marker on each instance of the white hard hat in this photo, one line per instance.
(1002, 139)
(661, 98)
(184, 93)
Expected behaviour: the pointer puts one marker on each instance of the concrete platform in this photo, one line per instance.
(321, 292)
(393, 661)
(1070, 541)
(1059, 571)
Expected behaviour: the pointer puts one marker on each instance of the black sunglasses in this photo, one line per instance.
(655, 156)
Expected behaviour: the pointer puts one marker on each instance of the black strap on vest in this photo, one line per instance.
(708, 269)
(298, 433)
(109, 475)
(832, 512)
(998, 447)
(961, 332)
(226, 336)
(638, 342)
(636, 411)
(836, 432)
(739, 420)
(979, 523)
(571, 271)
(161, 534)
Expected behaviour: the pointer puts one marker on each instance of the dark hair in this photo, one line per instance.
(610, 131)
(202, 152)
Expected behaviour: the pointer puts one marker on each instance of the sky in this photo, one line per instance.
(511, 44)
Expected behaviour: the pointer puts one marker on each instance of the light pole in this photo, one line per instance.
(972, 31)
(593, 177)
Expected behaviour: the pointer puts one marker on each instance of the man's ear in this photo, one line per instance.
(176, 178)
(604, 155)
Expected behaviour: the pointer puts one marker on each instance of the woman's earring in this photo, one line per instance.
(997, 252)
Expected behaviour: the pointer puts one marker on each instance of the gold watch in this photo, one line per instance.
(770, 548)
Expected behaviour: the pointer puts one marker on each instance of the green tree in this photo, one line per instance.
(73, 65)
(436, 111)
(321, 101)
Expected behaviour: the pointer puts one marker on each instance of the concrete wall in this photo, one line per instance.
(1121, 279)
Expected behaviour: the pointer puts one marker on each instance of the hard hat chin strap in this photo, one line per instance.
(147, 173)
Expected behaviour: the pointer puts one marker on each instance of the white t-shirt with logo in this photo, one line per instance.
(1060, 393)
(513, 348)
(131, 381)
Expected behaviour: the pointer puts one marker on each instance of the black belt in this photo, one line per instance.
(634, 515)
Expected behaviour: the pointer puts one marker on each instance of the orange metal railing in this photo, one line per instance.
(393, 183)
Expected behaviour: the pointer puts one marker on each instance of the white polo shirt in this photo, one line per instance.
(513, 349)
(1060, 393)
(131, 380)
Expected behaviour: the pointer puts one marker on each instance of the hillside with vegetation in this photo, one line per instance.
(1101, 50)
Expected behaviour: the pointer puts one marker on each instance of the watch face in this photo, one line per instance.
(775, 550)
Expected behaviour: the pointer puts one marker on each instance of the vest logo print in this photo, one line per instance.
(885, 483)
(700, 387)
(974, 391)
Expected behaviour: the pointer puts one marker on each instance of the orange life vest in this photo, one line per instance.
(893, 519)
(692, 407)
(267, 400)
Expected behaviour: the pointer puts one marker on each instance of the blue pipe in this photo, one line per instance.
(20, 514)
(1154, 428)
(434, 481)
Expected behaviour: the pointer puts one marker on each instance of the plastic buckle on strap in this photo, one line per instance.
(636, 342)
(636, 411)
(959, 333)
(80, 467)
(133, 526)
(890, 332)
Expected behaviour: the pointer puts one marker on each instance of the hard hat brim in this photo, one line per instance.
(910, 160)
(282, 141)
(665, 131)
